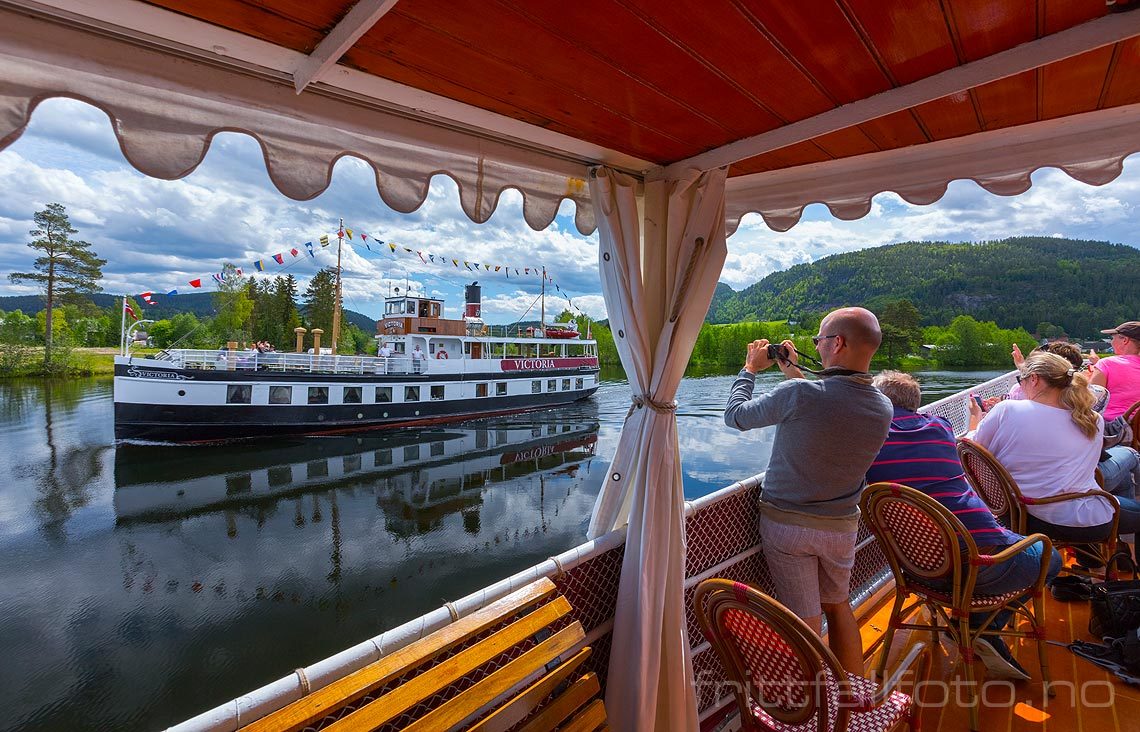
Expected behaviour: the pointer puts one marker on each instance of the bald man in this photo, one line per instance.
(828, 432)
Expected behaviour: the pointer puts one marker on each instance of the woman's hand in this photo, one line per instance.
(975, 412)
(1018, 359)
(1093, 357)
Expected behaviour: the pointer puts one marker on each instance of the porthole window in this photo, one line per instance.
(239, 394)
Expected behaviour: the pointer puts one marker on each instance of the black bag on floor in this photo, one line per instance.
(1115, 608)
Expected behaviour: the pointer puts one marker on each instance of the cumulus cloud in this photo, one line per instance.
(157, 235)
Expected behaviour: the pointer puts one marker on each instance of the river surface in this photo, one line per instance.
(141, 585)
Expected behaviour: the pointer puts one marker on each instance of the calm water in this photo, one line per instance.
(141, 585)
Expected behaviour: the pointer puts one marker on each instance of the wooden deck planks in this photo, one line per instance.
(1088, 698)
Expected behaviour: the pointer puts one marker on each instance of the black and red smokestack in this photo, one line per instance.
(474, 300)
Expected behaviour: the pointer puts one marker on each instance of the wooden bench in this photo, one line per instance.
(421, 686)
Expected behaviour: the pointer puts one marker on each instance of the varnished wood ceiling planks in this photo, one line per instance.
(665, 81)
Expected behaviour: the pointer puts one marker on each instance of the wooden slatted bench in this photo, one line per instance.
(508, 655)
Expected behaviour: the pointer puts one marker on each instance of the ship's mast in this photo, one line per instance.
(336, 305)
(542, 308)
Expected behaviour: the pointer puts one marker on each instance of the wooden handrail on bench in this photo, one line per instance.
(534, 619)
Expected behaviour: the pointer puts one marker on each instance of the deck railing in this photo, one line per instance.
(225, 360)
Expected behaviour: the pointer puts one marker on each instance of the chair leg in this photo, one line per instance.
(966, 649)
(888, 637)
(1039, 631)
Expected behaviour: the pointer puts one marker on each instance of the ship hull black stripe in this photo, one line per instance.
(185, 423)
(300, 377)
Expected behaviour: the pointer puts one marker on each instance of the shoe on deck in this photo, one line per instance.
(999, 662)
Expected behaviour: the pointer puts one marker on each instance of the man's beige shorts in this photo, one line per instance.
(809, 566)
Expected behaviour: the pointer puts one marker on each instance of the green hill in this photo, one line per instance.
(1082, 286)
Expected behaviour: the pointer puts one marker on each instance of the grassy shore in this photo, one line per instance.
(24, 362)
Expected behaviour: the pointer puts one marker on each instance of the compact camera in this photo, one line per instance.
(778, 351)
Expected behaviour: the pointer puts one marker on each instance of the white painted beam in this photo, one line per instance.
(1088, 36)
(348, 31)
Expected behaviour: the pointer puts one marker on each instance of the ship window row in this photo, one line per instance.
(243, 393)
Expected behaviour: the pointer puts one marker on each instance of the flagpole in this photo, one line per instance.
(542, 310)
(336, 306)
(123, 328)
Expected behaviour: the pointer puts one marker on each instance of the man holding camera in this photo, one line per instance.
(828, 432)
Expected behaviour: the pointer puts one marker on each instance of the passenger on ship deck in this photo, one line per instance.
(920, 452)
(1120, 373)
(1050, 443)
(809, 509)
(417, 359)
(1119, 465)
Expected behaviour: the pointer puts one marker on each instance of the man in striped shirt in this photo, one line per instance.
(920, 453)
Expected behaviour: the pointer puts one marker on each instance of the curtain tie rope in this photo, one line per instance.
(644, 400)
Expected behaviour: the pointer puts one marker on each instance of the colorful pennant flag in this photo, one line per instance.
(279, 258)
(294, 251)
(349, 232)
(237, 270)
(260, 265)
(309, 246)
(392, 247)
(146, 296)
(172, 292)
(196, 283)
(324, 240)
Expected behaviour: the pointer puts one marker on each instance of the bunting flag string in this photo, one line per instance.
(458, 263)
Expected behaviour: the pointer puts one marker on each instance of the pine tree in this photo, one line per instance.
(67, 268)
(320, 298)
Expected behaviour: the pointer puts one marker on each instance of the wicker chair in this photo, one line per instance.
(1132, 416)
(934, 558)
(1000, 492)
(773, 661)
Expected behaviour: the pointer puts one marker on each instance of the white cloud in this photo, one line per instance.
(158, 234)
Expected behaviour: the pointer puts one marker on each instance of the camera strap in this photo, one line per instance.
(833, 371)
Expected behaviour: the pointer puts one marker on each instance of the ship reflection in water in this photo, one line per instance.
(417, 476)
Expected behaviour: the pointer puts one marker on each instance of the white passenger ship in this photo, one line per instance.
(459, 372)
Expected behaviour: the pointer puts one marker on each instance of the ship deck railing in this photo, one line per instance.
(226, 360)
(723, 540)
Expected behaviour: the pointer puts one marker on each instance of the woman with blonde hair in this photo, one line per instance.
(1050, 442)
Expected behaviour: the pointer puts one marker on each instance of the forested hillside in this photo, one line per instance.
(1080, 286)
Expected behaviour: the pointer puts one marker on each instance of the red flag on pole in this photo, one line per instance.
(129, 311)
(196, 283)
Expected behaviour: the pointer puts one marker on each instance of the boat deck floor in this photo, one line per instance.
(1088, 698)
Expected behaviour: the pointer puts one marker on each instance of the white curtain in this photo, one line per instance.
(659, 265)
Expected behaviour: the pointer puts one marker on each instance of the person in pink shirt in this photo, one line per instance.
(1120, 373)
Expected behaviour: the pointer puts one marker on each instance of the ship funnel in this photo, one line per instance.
(474, 298)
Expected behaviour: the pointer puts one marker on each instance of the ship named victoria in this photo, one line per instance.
(429, 370)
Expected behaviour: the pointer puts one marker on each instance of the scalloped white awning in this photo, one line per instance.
(1090, 147)
(166, 106)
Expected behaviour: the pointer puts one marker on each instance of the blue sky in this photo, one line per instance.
(156, 235)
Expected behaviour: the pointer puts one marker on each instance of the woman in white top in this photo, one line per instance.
(1050, 443)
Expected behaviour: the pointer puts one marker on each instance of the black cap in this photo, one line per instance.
(1131, 329)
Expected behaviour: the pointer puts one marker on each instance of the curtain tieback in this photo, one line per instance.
(643, 400)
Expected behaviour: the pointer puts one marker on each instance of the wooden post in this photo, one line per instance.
(317, 333)
(300, 338)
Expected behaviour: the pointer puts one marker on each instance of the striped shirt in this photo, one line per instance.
(920, 452)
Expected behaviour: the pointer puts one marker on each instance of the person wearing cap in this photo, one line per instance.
(1120, 373)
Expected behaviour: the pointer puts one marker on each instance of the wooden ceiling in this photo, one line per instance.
(664, 81)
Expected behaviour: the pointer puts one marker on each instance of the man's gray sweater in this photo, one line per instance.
(828, 434)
